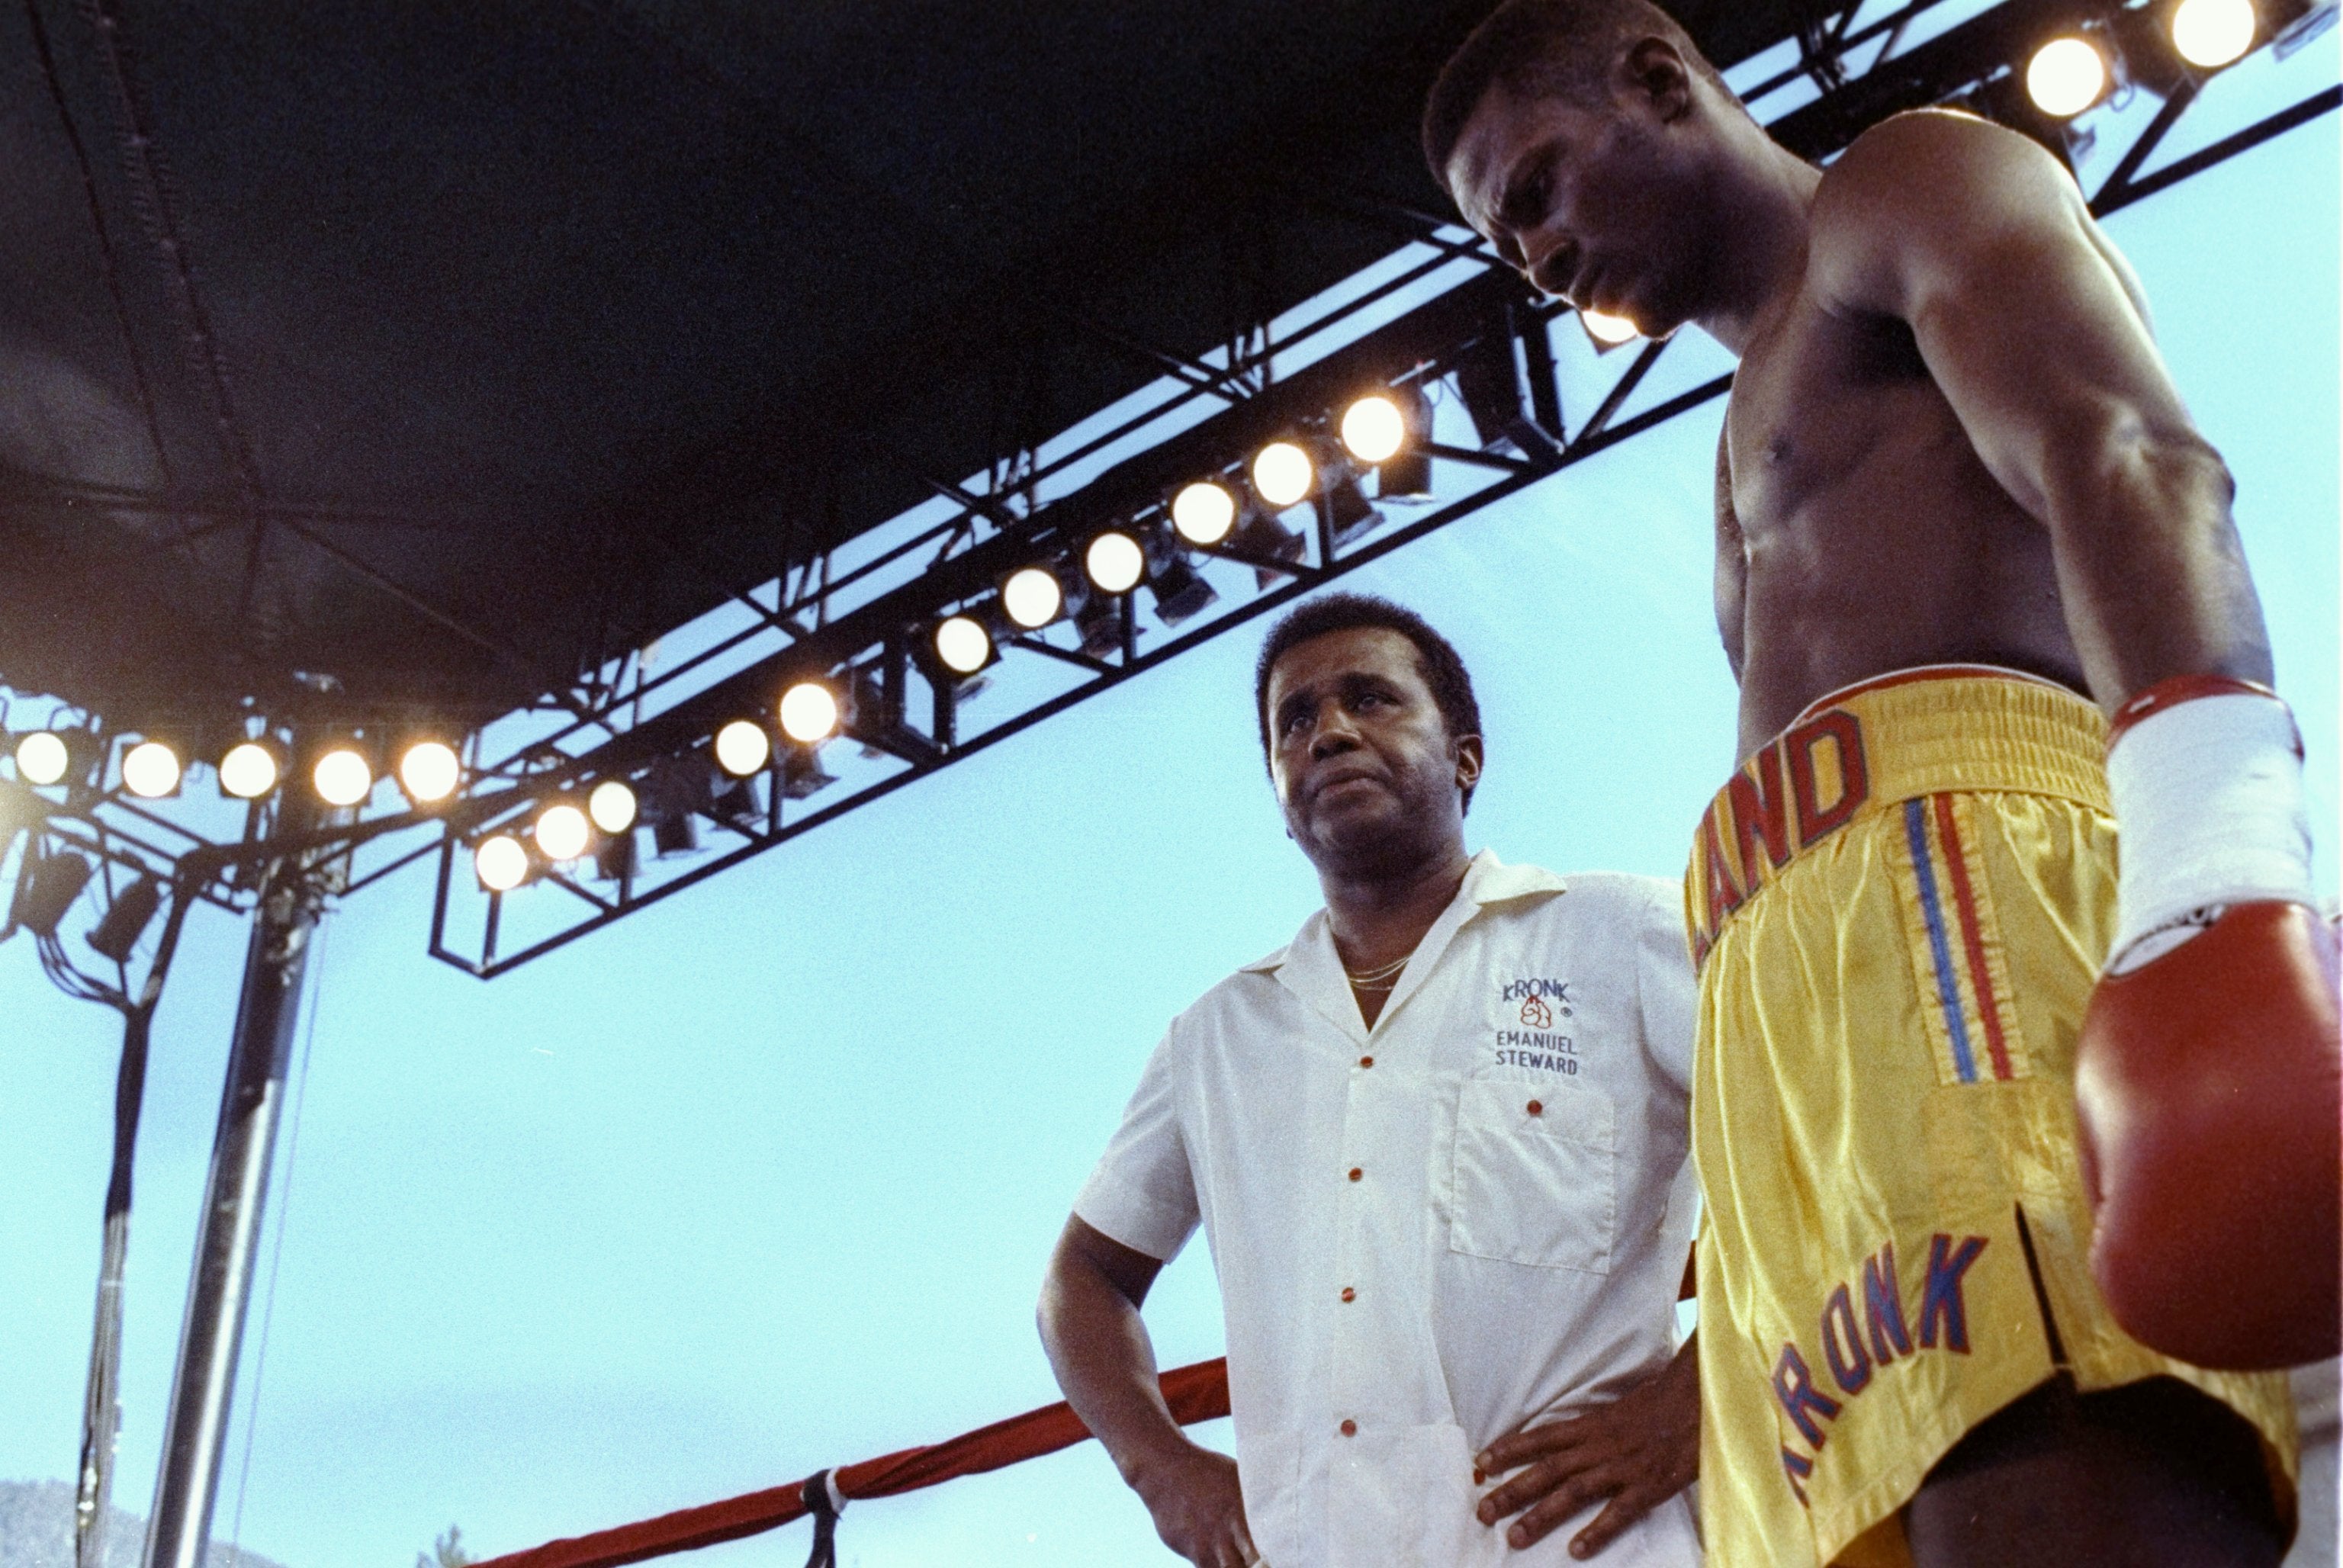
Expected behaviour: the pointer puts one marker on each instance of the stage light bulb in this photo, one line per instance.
(1283, 473)
(2210, 34)
(612, 805)
(742, 748)
(42, 757)
(430, 771)
(1031, 597)
(248, 770)
(1373, 428)
(963, 645)
(501, 863)
(1205, 512)
(150, 769)
(1115, 562)
(342, 778)
(562, 833)
(809, 712)
(1608, 329)
(2066, 77)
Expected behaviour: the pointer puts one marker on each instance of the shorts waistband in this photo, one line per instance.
(1871, 745)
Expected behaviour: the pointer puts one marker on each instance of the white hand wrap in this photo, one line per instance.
(2208, 793)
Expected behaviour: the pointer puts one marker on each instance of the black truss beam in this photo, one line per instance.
(1483, 314)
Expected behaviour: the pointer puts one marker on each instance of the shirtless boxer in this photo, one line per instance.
(1956, 496)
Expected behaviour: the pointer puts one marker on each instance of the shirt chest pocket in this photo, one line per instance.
(1531, 1180)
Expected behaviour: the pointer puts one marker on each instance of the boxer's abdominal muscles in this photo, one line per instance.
(1872, 538)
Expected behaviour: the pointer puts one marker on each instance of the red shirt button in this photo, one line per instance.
(1356, 1173)
(1366, 1062)
(1350, 1427)
(1537, 1108)
(1349, 1294)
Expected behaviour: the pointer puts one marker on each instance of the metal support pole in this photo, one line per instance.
(101, 1404)
(205, 1382)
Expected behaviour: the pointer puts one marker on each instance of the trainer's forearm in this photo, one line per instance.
(1105, 1363)
(2149, 565)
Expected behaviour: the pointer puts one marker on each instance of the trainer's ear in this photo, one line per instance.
(1467, 748)
(1653, 74)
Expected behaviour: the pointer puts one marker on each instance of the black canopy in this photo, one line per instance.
(438, 347)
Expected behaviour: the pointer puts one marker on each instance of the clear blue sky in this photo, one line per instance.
(762, 1179)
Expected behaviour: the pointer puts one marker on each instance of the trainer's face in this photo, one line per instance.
(1596, 203)
(1367, 773)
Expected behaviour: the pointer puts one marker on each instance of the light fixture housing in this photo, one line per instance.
(676, 835)
(1265, 538)
(46, 886)
(1180, 591)
(429, 770)
(342, 776)
(1032, 596)
(1101, 621)
(152, 770)
(743, 747)
(962, 645)
(1349, 510)
(1284, 474)
(1205, 512)
(2067, 75)
(1374, 427)
(810, 712)
(44, 756)
(250, 769)
(501, 863)
(1404, 472)
(1114, 561)
(616, 857)
(612, 805)
(126, 920)
(802, 774)
(2211, 33)
(562, 832)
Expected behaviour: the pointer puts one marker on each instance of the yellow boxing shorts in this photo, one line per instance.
(1898, 907)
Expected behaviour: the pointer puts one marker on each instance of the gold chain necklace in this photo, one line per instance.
(1382, 977)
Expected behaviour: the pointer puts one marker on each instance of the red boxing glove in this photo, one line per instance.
(2207, 1083)
(2209, 1077)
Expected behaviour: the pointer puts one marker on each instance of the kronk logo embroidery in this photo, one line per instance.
(1539, 1003)
(1858, 1342)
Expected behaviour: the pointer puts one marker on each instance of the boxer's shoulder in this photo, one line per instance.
(1916, 193)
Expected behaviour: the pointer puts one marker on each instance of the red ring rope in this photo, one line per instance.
(1198, 1392)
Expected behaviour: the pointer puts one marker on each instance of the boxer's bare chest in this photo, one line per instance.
(1871, 535)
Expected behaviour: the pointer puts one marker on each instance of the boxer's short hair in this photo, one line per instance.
(1435, 656)
(1534, 48)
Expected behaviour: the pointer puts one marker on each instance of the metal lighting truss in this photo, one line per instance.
(1483, 341)
(1462, 328)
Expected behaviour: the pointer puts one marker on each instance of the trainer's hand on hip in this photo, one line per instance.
(1638, 1450)
(1198, 1508)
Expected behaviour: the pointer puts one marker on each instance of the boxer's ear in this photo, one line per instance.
(1652, 73)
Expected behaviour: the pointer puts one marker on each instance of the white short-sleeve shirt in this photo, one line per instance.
(1429, 1232)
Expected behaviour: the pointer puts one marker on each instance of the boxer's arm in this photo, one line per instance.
(2030, 323)
(1099, 1347)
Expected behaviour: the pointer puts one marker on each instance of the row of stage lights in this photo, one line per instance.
(1375, 433)
(2064, 77)
(342, 774)
(2071, 72)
